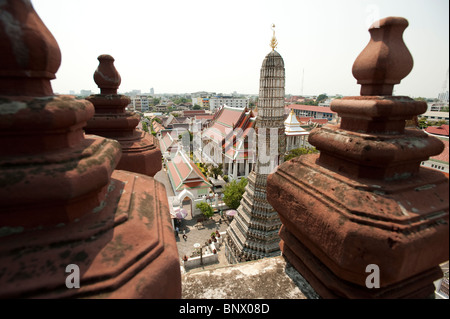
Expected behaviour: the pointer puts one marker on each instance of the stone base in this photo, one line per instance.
(124, 248)
(140, 154)
(329, 286)
(347, 224)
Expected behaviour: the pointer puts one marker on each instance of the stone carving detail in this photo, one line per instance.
(61, 201)
(140, 153)
(365, 199)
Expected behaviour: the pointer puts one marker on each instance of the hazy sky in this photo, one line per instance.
(184, 46)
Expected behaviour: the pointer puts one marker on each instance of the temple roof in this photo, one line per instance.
(225, 120)
(185, 174)
(292, 125)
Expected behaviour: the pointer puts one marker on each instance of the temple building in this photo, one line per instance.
(253, 233)
(229, 140)
(296, 136)
(186, 178)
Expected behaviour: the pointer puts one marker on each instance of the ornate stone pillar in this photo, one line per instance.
(139, 151)
(62, 205)
(365, 200)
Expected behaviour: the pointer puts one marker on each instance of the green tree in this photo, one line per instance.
(423, 122)
(233, 192)
(156, 119)
(321, 97)
(216, 171)
(144, 127)
(299, 151)
(196, 107)
(156, 101)
(206, 209)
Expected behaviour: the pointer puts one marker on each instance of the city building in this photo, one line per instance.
(141, 103)
(438, 107)
(217, 101)
(436, 116)
(312, 111)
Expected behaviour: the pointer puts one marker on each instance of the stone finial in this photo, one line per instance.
(386, 60)
(365, 199)
(30, 55)
(106, 76)
(140, 153)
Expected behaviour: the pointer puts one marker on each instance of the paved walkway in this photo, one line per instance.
(201, 236)
(194, 235)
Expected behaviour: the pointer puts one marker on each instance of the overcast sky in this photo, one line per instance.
(185, 46)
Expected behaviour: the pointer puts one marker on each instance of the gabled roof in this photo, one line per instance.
(167, 142)
(225, 120)
(185, 174)
(292, 125)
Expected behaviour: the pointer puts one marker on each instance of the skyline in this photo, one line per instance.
(185, 47)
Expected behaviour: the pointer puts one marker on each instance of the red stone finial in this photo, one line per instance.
(29, 55)
(386, 60)
(106, 76)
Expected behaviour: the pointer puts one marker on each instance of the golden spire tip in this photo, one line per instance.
(273, 42)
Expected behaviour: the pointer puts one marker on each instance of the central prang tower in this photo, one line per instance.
(253, 234)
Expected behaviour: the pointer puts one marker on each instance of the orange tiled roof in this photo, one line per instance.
(438, 130)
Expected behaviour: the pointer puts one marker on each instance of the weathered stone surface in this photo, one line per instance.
(347, 224)
(386, 60)
(267, 278)
(140, 153)
(25, 72)
(61, 202)
(365, 199)
(124, 248)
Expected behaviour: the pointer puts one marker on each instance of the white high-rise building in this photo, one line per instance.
(217, 101)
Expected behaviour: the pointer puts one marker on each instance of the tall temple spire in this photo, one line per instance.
(253, 234)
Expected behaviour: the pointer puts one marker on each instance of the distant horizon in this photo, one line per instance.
(182, 47)
(78, 93)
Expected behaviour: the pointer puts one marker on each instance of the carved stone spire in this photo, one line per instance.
(365, 200)
(386, 60)
(61, 201)
(140, 153)
(25, 72)
(106, 76)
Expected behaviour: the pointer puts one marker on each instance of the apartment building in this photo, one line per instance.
(218, 101)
